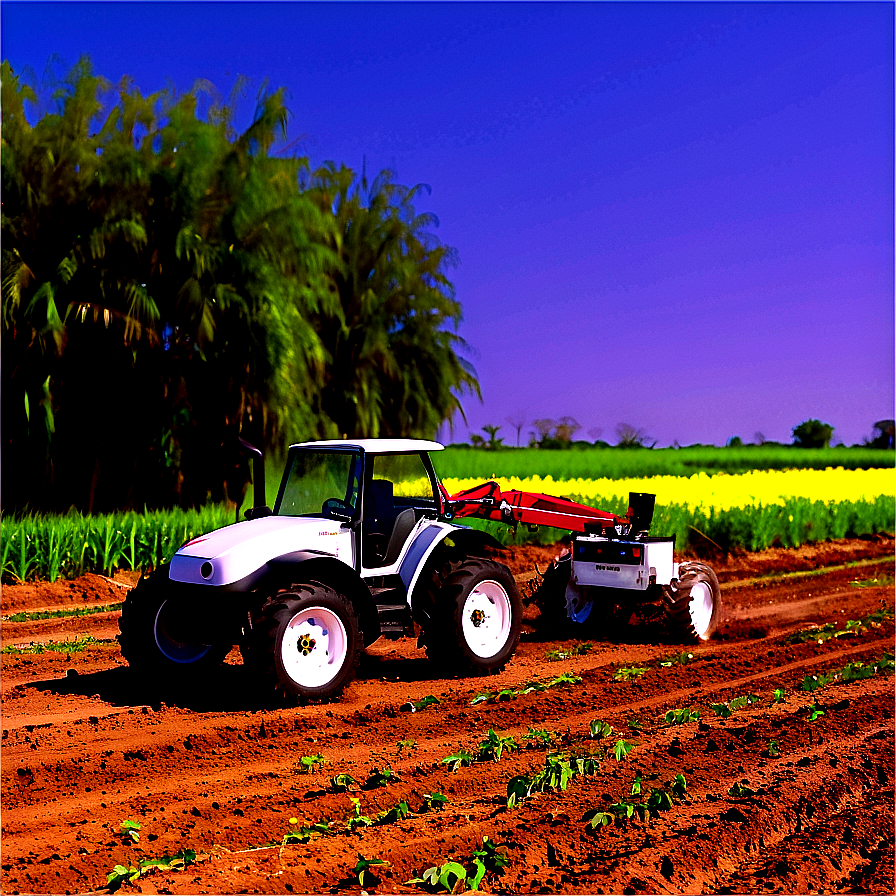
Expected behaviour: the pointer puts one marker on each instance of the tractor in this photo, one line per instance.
(362, 542)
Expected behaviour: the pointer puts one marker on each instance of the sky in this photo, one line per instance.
(677, 216)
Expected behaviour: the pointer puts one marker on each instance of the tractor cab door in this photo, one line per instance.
(398, 493)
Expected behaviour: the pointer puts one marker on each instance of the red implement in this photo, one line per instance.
(487, 501)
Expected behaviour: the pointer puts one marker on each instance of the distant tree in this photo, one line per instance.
(595, 432)
(476, 440)
(759, 438)
(492, 433)
(566, 428)
(883, 433)
(734, 442)
(812, 434)
(544, 427)
(517, 420)
(629, 436)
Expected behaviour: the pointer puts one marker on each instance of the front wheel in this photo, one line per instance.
(693, 602)
(153, 631)
(478, 617)
(305, 643)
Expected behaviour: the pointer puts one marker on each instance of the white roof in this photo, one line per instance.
(376, 446)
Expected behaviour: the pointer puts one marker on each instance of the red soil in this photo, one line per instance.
(86, 744)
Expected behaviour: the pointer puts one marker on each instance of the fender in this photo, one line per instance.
(420, 552)
(315, 566)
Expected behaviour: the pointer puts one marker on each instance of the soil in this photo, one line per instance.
(203, 765)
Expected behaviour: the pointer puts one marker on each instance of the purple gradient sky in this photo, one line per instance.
(676, 215)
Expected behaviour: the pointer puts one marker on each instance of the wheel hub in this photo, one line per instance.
(314, 647)
(306, 644)
(486, 619)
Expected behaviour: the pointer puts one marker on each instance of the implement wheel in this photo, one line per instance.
(693, 603)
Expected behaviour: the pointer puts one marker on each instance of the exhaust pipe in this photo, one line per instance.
(260, 507)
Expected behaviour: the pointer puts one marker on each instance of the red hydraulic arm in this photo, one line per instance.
(487, 501)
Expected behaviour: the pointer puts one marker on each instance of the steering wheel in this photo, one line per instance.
(337, 509)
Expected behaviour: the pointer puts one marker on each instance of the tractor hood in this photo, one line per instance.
(242, 550)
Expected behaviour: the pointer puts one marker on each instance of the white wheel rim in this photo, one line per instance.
(701, 607)
(172, 649)
(313, 647)
(486, 619)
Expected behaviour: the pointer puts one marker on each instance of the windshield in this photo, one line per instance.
(321, 483)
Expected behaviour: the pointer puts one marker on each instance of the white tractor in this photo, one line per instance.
(362, 544)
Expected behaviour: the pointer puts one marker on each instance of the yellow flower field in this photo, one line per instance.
(722, 491)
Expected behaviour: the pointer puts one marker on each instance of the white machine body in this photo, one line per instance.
(614, 563)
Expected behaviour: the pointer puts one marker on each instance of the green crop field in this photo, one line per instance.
(729, 509)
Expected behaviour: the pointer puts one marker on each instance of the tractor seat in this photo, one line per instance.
(385, 529)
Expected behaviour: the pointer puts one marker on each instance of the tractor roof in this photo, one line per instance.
(376, 446)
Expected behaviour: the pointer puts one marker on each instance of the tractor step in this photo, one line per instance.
(395, 620)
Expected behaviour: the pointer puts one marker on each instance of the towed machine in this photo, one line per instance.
(364, 542)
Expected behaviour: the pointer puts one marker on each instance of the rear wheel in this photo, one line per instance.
(693, 602)
(305, 643)
(154, 632)
(477, 619)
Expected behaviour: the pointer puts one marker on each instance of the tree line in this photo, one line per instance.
(170, 284)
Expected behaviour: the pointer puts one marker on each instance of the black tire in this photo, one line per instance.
(693, 603)
(477, 617)
(147, 631)
(305, 643)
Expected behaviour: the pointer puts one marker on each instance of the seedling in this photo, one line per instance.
(296, 834)
(659, 800)
(382, 778)
(544, 737)
(558, 771)
(446, 877)
(494, 746)
(773, 749)
(122, 874)
(396, 813)
(457, 759)
(341, 783)
(131, 830)
(79, 645)
(681, 716)
(422, 703)
(408, 744)
(744, 701)
(629, 673)
(599, 728)
(778, 696)
(356, 819)
(621, 749)
(363, 873)
(453, 876)
(816, 712)
(740, 790)
(829, 630)
(720, 709)
(680, 659)
(566, 653)
(564, 679)
(26, 616)
(433, 801)
(308, 764)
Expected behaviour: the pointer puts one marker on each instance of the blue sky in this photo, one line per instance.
(673, 215)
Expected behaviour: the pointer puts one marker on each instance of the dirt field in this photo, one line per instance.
(87, 745)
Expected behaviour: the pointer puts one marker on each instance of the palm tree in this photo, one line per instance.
(394, 364)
